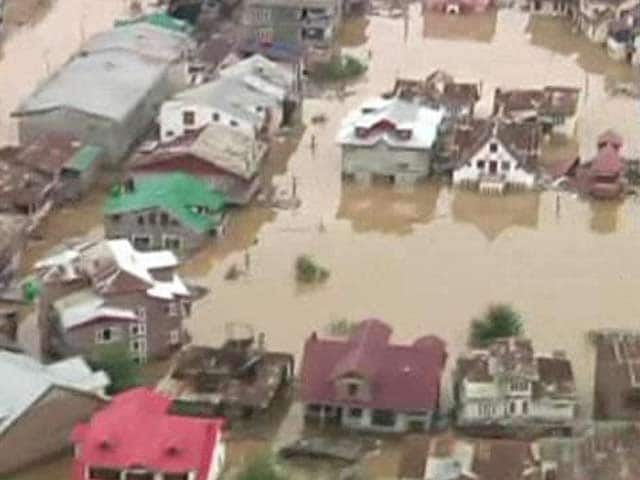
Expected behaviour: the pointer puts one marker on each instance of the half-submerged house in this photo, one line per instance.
(176, 211)
(459, 6)
(603, 176)
(368, 383)
(135, 437)
(40, 404)
(508, 387)
(390, 139)
(493, 156)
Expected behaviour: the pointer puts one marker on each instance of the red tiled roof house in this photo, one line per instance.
(367, 383)
(136, 438)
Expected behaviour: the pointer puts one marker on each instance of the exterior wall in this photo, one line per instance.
(616, 50)
(159, 325)
(50, 421)
(172, 125)
(466, 6)
(218, 458)
(405, 166)
(74, 185)
(128, 227)
(470, 173)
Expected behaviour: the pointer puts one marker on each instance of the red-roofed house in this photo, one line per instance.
(603, 176)
(136, 438)
(367, 383)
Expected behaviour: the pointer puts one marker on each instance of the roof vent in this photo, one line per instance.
(173, 451)
(105, 445)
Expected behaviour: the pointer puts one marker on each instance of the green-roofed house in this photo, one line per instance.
(161, 20)
(178, 212)
(79, 173)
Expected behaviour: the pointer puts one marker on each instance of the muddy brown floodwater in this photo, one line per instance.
(429, 259)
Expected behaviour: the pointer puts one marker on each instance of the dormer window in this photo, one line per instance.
(404, 134)
(98, 473)
(353, 389)
(361, 132)
(493, 147)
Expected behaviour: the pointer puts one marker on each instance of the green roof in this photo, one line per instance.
(180, 194)
(161, 20)
(84, 158)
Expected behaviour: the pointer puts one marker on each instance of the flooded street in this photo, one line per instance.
(426, 260)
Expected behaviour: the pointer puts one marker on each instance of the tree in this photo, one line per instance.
(499, 321)
(117, 362)
(261, 467)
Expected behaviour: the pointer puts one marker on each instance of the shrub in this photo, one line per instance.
(308, 271)
(499, 321)
(118, 363)
(341, 67)
(261, 467)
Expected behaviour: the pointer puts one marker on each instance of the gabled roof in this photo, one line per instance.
(136, 429)
(607, 162)
(403, 377)
(423, 122)
(25, 381)
(84, 306)
(177, 193)
(161, 20)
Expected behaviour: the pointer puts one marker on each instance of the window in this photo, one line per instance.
(176, 476)
(525, 408)
(140, 220)
(170, 133)
(480, 164)
(486, 409)
(186, 308)
(152, 218)
(512, 408)
(107, 335)
(172, 242)
(519, 386)
(172, 309)
(355, 412)
(314, 408)
(261, 15)
(97, 473)
(233, 123)
(139, 475)
(493, 147)
(174, 337)
(259, 108)
(215, 117)
(138, 329)
(141, 313)
(141, 243)
(189, 118)
(506, 166)
(383, 418)
(404, 134)
(115, 218)
(164, 219)
(265, 35)
(352, 389)
(403, 166)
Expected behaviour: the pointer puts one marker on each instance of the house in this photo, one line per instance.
(80, 173)
(239, 379)
(96, 294)
(13, 236)
(312, 24)
(508, 388)
(595, 16)
(391, 139)
(493, 155)
(174, 211)
(40, 404)
(254, 95)
(603, 176)
(555, 108)
(107, 95)
(440, 89)
(617, 377)
(448, 457)
(135, 436)
(229, 159)
(459, 6)
(367, 383)
(621, 36)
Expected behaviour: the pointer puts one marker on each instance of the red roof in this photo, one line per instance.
(136, 430)
(402, 377)
(607, 162)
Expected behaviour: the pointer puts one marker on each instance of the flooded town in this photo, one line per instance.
(317, 239)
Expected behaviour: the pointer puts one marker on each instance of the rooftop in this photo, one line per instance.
(550, 100)
(136, 429)
(401, 376)
(161, 20)
(84, 158)
(191, 200)
(25, 380)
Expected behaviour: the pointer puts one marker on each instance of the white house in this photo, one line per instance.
(595, 16)
(509, 385)
(389, 138)
(493, 155)
(254, 95)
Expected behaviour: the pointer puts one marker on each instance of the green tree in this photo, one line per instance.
(499, 321)
(261, 467)
(118, 363)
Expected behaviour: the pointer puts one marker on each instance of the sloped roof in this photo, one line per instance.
(25, 381)
(607, 162)
(400, 376)
(176, 193)
(137, 429)
(161, 20)
(84, 306)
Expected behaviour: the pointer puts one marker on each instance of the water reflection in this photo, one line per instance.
(479, 27)
(493, 215)
(604, 216)
(385, 209)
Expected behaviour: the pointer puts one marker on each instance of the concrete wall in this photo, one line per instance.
(159, 325)
(404, 421)
(44, 429)
(127, 226)
(406, 166)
